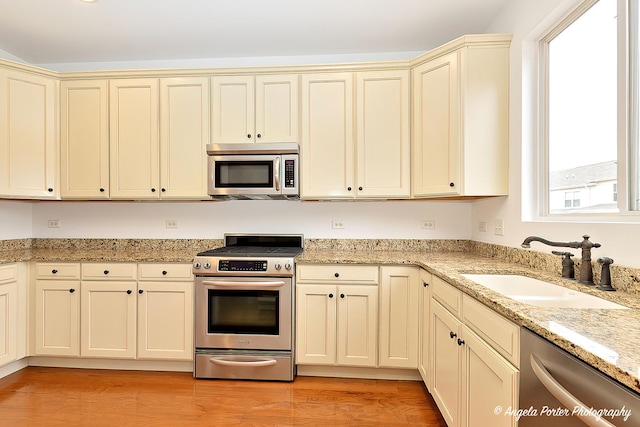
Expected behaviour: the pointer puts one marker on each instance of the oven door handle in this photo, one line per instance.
(225, 362)
(232, 284)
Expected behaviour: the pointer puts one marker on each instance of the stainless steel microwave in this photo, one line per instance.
(253, 171)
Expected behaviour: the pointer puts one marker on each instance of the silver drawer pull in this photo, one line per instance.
(225, 362)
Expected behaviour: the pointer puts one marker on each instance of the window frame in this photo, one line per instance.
(628, 152)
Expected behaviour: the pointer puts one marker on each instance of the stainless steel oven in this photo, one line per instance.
(244, 305)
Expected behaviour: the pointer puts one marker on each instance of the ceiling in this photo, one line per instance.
(68, 31)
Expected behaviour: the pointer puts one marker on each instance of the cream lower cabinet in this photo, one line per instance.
(424, 330)
(337, 315)
(399, 322)
(165, 312)
(28, 141)
(57, 309)
(9, 319)
(108, 308)
(470, 377)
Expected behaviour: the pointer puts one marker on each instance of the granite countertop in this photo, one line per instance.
(608, 340)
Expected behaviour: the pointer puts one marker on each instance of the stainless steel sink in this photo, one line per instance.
(540, 293)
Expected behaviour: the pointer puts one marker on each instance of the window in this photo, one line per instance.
(572, 199)
(589, 65)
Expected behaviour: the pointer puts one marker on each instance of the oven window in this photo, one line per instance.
(243, 312)
(234, 174)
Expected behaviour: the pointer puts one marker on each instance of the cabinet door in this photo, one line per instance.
(165, 320)
(436, 133)
(277, 108)
(425, 317)
(316, 324)
(133, 145)
(327, 148)
(28, 153)
(232, 112)
(57, 318)
(383, 141)
(8, 322)
(445, 363)
(84, 139)
(489, 381)
(108, 319)
(357, 325)
(184, 133)
(399, 324)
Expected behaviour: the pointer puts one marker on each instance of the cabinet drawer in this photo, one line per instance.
(61, 271)
(8, 273)
(498, 332)
(181, 272)
(447, 295)
(364, 274)
(109, 271)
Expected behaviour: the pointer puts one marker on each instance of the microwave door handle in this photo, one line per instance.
(276, 173)
(232, 284)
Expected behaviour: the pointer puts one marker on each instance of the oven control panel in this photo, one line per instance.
(241, 265)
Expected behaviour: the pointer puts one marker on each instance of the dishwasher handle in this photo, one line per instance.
(563, 395)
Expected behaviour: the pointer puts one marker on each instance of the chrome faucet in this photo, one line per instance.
(586, 272)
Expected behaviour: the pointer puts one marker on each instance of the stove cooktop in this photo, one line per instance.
(252, 251)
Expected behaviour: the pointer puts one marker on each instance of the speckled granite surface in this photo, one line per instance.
(609, 340)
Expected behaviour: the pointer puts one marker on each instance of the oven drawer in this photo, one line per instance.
(244, 365)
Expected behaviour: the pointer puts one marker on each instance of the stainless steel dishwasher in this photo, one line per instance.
(557, 389)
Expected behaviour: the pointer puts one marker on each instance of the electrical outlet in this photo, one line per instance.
(172, 223)
(498, 227)
(53, 223)
(337, 224)
(428, 224)
(482, 226)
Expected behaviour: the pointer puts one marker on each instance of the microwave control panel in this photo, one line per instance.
(289, 173)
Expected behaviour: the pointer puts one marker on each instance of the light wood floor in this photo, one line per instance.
(80, 397)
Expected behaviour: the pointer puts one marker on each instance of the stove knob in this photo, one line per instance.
(288, 266)
(278, 266)
(207, 265)
(197, 265)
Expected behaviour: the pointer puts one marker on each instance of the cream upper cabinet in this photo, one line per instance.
(133, 138)
(382, 134)
(327, 139)
(28, 141)
(84, 139)
(184, 133)
(158, 132)
(261, 108)
(461, 120)
(399, 322)
(368, 157)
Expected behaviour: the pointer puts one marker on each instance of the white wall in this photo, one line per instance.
(397, 219)
(15, 219)
(526, 20)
